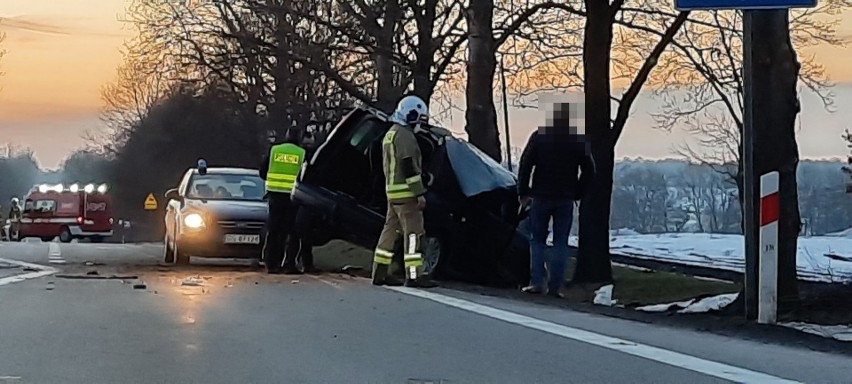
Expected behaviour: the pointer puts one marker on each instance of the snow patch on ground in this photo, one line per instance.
(603, 296)
(707, 304)
(837, 332)
(820, 258)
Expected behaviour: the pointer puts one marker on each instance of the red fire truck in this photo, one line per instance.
(68, 212)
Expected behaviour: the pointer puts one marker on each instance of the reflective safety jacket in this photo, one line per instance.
(285, 161)
(402, 165)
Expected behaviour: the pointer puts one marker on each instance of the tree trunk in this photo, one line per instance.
(593, 260)
(425, 50)
(481, 114)
(776, 72)
(387, 94)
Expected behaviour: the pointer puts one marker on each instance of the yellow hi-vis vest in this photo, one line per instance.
(402, 167)
(285, 161)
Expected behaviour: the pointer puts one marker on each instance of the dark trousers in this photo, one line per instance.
(561, 211)
(280, 245)
(299, 237)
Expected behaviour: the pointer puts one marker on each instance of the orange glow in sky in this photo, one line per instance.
(61, 52)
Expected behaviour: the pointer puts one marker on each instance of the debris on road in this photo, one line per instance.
(348, 267)
(92, 273)
(95, 276)
(50, 286)
(31, 269)
(294, 282)
(92, 263)
(192, 282)
(140, 286)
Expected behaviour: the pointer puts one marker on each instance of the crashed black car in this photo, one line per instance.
(472, 205)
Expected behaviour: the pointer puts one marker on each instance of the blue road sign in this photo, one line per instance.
(688, 5)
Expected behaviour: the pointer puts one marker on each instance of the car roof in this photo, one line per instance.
(387, 118)
(229, 171)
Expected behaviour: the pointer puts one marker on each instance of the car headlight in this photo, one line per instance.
(193, 220)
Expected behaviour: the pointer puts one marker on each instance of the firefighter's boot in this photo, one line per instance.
(382, 277)
(416, 279)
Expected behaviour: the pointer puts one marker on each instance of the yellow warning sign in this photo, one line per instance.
(150, 202)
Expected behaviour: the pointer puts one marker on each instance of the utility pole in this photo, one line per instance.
(747, 142)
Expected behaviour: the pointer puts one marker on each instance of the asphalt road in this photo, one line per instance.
(242, 326)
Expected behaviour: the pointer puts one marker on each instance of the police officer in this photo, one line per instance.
(280, 169)
(405, 191)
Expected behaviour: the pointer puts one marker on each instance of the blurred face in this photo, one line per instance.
(563, 115)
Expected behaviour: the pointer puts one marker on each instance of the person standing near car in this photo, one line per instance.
(405, 190)
(280, 169)
(548, 182)
(304, 221)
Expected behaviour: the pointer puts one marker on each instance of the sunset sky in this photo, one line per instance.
(60, 53)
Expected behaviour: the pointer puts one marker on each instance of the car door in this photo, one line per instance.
(173, 208)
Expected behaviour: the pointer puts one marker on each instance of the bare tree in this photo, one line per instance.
(702, 85)
(127, 100)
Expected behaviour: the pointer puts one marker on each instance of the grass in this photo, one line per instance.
(632, 286)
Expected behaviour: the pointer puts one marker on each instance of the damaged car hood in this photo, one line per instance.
(475, 171)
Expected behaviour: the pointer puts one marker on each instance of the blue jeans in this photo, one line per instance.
(562, 213)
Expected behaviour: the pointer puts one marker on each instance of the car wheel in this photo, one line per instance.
(181, 258)
(168, 252)
(65, 235)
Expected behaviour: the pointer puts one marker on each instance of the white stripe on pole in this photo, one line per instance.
(768, 245)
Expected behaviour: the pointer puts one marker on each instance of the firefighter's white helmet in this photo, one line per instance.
(412, 110)
(15, 200)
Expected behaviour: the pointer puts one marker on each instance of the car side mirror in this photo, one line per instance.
(173, 194)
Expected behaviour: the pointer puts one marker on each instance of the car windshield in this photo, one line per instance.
(226, 187)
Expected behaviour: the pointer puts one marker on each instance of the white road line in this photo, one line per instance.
(692, 363)
(54, 254)
(42, 271)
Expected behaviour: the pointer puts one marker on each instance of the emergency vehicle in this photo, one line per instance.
(70, 213)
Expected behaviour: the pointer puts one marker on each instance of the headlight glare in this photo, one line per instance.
(193, 220)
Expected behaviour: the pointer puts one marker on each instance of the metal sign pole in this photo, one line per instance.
(751, 283)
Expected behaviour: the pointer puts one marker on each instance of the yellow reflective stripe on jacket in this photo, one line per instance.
(281, 177)
(280, 186)
(399, 191)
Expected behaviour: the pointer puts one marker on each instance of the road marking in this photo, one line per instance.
(692, 363)
(54, 254)
(41, 271)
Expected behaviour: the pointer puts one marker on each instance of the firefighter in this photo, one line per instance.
(280, 169)
(405, 191)
(15, 214)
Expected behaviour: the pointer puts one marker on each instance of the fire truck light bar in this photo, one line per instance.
(74, 188)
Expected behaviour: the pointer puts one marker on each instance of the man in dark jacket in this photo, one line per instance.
(556, 170)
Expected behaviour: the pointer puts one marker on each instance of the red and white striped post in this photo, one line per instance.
(768, 274)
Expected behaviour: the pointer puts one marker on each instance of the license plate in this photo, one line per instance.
(242, 239)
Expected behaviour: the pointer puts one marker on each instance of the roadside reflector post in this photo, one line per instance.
(770, 207)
